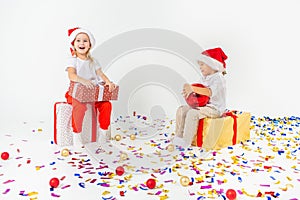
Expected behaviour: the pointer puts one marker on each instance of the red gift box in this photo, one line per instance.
(98, 93)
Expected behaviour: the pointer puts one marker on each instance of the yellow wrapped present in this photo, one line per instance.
(217, 133)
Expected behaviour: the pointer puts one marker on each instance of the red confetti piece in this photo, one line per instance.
(93, 181)
(8, 181)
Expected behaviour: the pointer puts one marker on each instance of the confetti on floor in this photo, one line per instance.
(265, 167)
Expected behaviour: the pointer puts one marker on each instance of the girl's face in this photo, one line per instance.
(205, 69)
(82, 44)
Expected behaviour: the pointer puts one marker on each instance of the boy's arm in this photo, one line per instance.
(202, 91)
(188, 89)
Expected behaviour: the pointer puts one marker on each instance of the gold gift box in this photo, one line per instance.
(217, 133)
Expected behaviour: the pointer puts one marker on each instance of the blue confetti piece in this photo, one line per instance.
(142, 188)
(240, 179)
(108, 198)
(82, 185)
(280, 152)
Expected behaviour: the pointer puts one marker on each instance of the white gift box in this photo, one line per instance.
(63, 132)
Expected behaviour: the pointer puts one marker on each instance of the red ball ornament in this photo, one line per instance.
(151, 183)
(4, 155)
(54, 182)
(231, 194)
(196, 100)
(120, 171)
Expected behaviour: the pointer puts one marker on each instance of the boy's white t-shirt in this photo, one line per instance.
(217, 84)
(84, 68)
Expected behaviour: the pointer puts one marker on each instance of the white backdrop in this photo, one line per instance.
(261, 39)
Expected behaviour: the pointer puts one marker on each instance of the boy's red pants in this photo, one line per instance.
(103, 107)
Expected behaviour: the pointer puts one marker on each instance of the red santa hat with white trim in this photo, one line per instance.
(215, 58)
(73, 32)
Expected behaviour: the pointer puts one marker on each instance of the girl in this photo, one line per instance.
(83, 68)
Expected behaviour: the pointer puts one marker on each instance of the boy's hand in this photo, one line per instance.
(187, 90)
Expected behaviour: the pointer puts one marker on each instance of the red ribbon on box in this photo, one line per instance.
(234, 125)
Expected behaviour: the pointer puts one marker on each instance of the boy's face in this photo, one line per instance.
(205, 69)
(82, 43)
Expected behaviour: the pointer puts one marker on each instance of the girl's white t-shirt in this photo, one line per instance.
(84, 68)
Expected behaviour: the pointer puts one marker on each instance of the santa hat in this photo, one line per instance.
(215, 58)
(72, 33)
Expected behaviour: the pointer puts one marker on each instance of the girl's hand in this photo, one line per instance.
(187, 90)
(88, 83)
(111, 86)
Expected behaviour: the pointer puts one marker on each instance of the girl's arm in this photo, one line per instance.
(75, 78)
(100, 73)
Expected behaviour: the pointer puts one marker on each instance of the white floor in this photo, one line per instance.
(269, 164)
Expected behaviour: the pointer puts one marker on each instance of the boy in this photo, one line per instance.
(212, 66)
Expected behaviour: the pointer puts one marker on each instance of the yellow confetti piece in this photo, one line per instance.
(284, 189)
(127, 178)
(32, 193)
(37, 168)
(105, 193)
(288, 178)
(246, 193)
(163, 197)
(278, 182)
